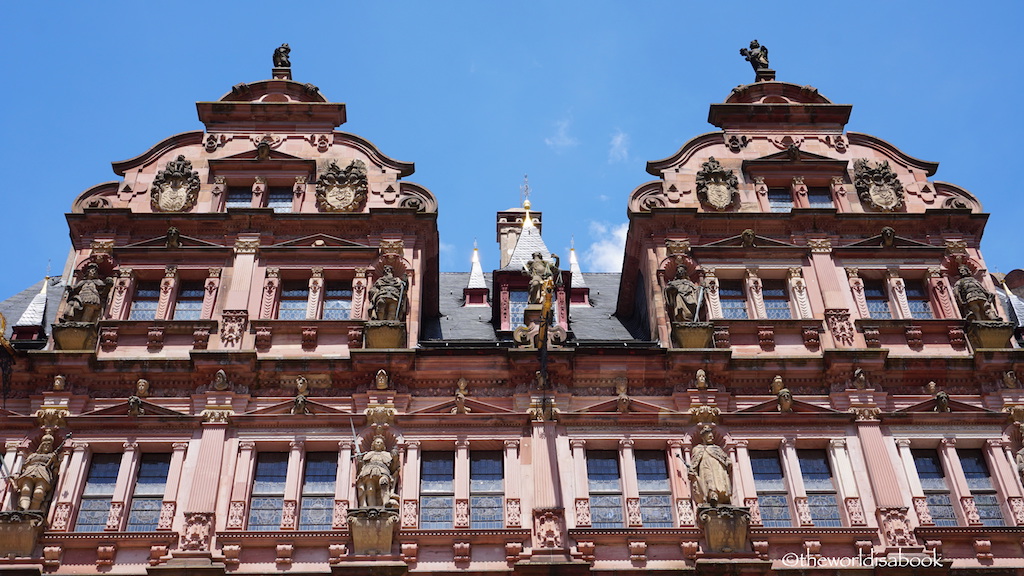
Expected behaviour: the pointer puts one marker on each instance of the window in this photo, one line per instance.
(819, 197)
(148, 496)
(517, 300)
(776, 300)
(99, 490)
(877, 299)
(147, 297)
(317, 504)
(338, 301)
(936, 491)
(437, 490)
(486, 489)
(733, 299)
(821, 492)
(189, 305)
(238, 197)
(655, 492)
(980, 483)
(605, 488)
(268, 491)
(294, 298)
(917, 300)
(770, 483)
(780, 199)
(280, 199)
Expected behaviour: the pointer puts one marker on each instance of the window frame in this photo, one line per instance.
(135, 497)
(268, 495)
(151, 288)
(617, 521)
(441, 498)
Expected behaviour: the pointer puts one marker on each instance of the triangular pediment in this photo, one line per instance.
(795, 156)
(253, 155)
(759, 242)
(320, 240)
(285, 408)
(184, 241)
(122, 409)
(928, 406)
(475, 407)
(635, 407)
(876, 241)
(799, 406)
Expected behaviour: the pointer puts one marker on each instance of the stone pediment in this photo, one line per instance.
(285, 408)
(320, 241)
(876, 241)
(475, 406)
(184, 241)
(928, 406)
(635, 407)
(739, 241)
(122, 409)
(799, 406)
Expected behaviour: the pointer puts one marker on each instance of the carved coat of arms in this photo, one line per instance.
(342, 190)
(716, 186)
(877, 185)
(175, 188)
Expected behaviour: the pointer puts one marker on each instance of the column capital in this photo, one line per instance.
(626, 443)
(297, 444)
(462, 444)
(949, 442)
(130, 446)
(837, 443)
(179, 446)
(246, 445)
(511, 444)
(903, 442)
(675, 443)
(789, 442)
(577, 443)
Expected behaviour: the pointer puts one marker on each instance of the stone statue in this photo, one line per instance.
(87, 296)
(1010, 379)
(785, 400)
(623, 400)
(301, 386)
(701, 380)
(281, 56)
(975, 302)
(59, 383)
(135, 406)
(711, 470)
(173, 238)
(942, 402)
(681, 296)
(461, 391)
(37, 474)
(888, 237)
(540, 270)
(142, 388)
(860, 379)
(777, 384)
(220, 380)
(381, 381)
(377, 476)
(388, 296)
(757, 55)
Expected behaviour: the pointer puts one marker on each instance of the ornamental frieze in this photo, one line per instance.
(877, 185)
(175, 188)
(716, 186)
(340, 190)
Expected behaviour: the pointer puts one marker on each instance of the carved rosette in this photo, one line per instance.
(716, 186)
(198, 530)
(175, 188)
(339, 190)
(583, 512)
(877, 185)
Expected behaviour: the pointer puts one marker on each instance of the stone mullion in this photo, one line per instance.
(174, 474)
(124, 289)
(897, 289)
(513, 472)
(293, 485)
(744, 488)
(211, 287)
(299, 191)
(581, 507)
(168, 293)
(70, 483)
(125, 479)
(630, 488)
(244, 465)
(1003, 481)
(271, 293)
(259, 186)
(315, 301)
(679, 484)
(857, 290)
(846, 482)
(342, 485)
(917, 496)
(411, 485)
(753, 287)
(839, 193)
(957, 483)
(941, 295)
(460, 484)
(798, 293)
(791, 464)
(359, 293)
(711, 285)
(799, 191)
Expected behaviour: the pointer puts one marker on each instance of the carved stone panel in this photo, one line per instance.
(175, 188)
(342, 190)
(877, 185)
(716, 186)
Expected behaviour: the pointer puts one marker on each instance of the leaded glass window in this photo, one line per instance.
(486, 489)
(821, 491)
(770, 483)
(98, 492)
(877, 299)
(979, 480)
(819, 197)
(189, 305)
(294, 299)
(936, 490)
(148, 496)
(917, 300)
(733, 299)
(338, 301)
(147, 297)
(517, 301)
(238, 197)
(267, 498)
(437, 490)
(776, 300)
(605, 487)
(280, 199)
(780, 199)
(655, 492)
(317, 506)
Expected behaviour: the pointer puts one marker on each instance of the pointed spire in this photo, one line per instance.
(574, 267)
(476, 273)
(35, 314)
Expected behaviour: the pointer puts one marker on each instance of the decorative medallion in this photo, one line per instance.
(175, 188)
(877, 185)
(716, 186)
(342, 190)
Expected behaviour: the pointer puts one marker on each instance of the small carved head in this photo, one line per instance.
(931, 388)
(747, 237)
(59, 382)
(701, 380)
(220, 380)
(860, 379)
(942, 402)
(462, 386)
(381, 381)
(888, 237)
(302, 385)
(1010, 379)
(777, 384)
(785, 400)
(142, 388)
(707, 435)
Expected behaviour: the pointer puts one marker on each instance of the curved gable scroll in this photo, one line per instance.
(951, 196)
(416, 197)
(99, 196)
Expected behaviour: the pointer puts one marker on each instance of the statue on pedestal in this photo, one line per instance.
(540, 270)
(388, 296)
(711, 470)
(681, 296)
(377, 476)
(975, 302)
(281, 59)
(87, 296)
(757, 55)
(35, 480)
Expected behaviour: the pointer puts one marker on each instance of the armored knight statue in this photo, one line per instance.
(35, 480)
(87, 296)
(388, 296)
(281, 59)
(975, 302)
(757, 55)
(377, 476)
(540, 270)
(681, 295)
(711, 470)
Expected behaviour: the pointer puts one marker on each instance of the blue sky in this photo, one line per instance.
(578, 95)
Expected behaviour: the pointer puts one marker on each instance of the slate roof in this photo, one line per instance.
(529, 241)
(15, 307)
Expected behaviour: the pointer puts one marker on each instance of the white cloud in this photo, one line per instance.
(445, 248)
(561, 140)
(618, 149)
(605, 255)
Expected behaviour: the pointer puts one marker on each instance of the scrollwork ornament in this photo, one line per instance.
(342, 190)
(877, 185)
(716, 186)
(175, 188)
